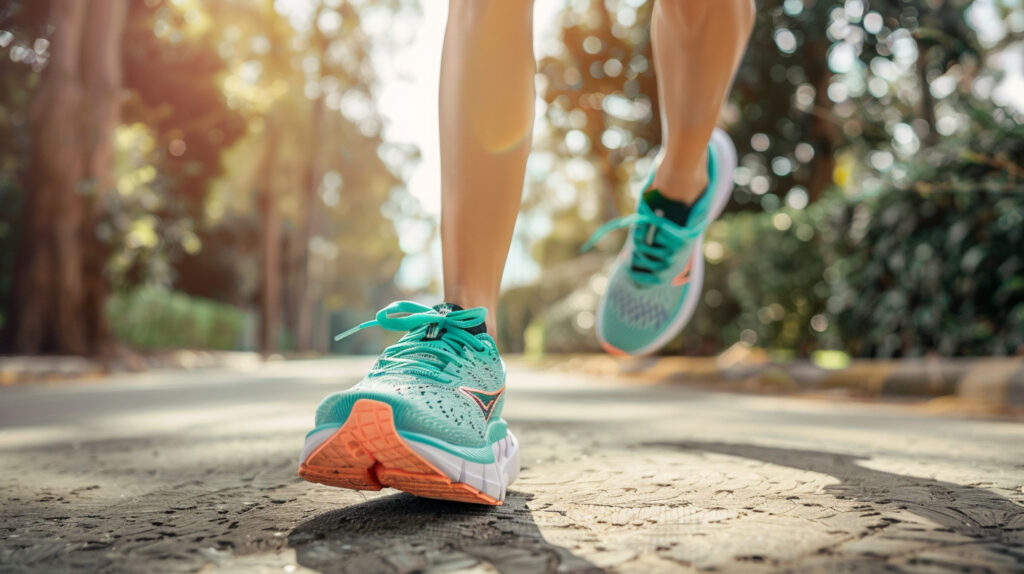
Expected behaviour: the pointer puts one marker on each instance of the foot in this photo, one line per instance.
(655, 283)
(426, 419)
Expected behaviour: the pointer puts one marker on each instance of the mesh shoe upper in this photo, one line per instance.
(439, 379)
(634, 314)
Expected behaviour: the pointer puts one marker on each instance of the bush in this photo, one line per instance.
(935, 272)
(151, 318)
(905, 274)
(765, 282)
(936, 265)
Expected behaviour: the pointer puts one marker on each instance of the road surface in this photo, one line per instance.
(195, 471)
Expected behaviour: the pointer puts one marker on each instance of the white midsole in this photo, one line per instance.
(315, 440)
(492, 479)
(726, 156)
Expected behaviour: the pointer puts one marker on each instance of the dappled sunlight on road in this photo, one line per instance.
(615, 475)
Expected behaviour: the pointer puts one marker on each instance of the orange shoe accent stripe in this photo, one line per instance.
(684, 276)
(367, 453)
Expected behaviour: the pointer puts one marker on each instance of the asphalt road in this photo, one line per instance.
(196, 471)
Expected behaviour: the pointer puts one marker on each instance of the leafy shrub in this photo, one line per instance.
(903, 274)
(765, 282)
(936, 264)
(937, 272)
(152, 318)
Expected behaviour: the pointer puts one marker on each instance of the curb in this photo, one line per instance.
(993, 382)
(15, 370)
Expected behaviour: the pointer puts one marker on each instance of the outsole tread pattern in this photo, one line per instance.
(367, 453)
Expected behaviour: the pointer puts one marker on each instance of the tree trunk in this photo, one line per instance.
(102, 80)
(270, 291)
(303, 302)
(59, 292)
(926, 105)
(823, 133)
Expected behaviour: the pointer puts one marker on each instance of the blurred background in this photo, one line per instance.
(261, 174)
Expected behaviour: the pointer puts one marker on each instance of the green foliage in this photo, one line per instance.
(940, 272)
(150, 318)
(191, 120)
(335, 181)
(764, 281)
(936, 264)
(602, 95)
(844, 77)
(782, 118)
(185, 127)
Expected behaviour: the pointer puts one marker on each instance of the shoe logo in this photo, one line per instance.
(485, 400)
(684, 276)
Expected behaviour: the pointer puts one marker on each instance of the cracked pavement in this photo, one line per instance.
(195, 471)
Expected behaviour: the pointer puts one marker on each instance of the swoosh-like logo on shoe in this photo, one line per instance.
(484, 399)
(684, 276)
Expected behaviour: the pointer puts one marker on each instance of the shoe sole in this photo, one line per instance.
(367, 453)
(726, 151)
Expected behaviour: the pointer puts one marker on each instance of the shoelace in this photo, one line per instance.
(434, 342)
(655, 241)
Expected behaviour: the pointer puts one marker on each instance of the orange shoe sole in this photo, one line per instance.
(367, 453)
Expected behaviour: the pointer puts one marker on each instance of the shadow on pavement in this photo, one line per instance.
(966, 510)
(404, 533)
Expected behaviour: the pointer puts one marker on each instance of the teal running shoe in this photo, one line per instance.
(427, 417)
(655, 283)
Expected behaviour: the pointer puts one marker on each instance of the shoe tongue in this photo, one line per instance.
(445, 308)
(675, 211)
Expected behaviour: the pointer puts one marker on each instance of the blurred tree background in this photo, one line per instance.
(879, 197)
(224, 182)
(249, 170)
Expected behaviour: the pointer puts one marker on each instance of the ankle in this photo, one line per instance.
(678, 186)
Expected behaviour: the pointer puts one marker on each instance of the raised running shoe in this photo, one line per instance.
(655, 283)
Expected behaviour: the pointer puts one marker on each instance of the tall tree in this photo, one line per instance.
(271, 300)
(60, 290)
(301, 304)
(270, 246)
